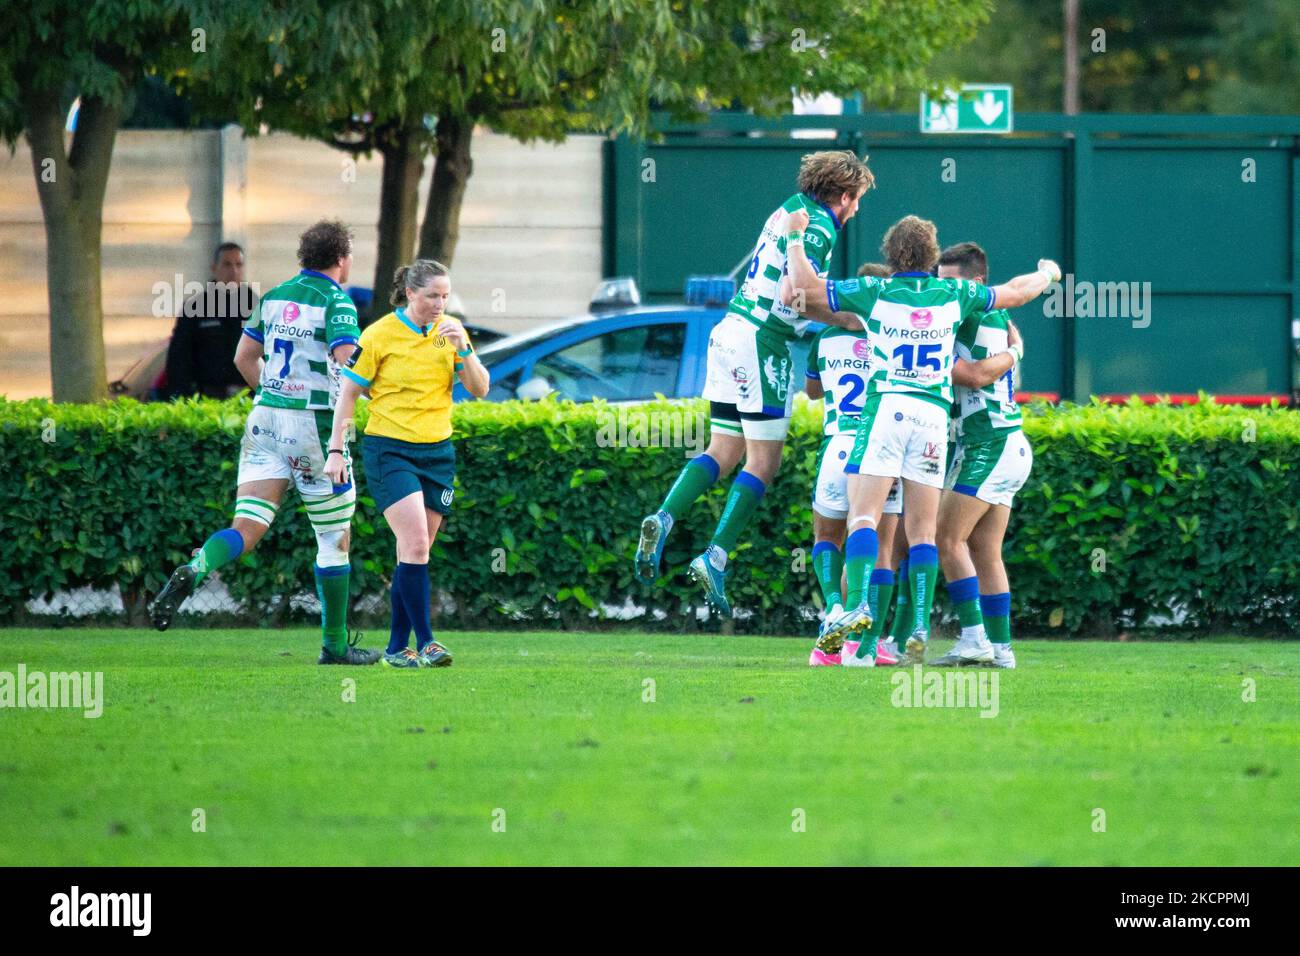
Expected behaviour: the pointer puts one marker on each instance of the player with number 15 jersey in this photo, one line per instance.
(911, 320)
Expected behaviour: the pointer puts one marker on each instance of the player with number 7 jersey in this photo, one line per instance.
(291, 349)
(299, 323)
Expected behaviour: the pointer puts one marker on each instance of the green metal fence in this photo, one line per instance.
(1204, 209)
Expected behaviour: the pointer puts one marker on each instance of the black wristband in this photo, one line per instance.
(334, 451)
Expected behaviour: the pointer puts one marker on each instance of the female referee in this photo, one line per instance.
(407, 363)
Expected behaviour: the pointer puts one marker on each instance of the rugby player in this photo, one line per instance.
(912, 321)
(290, 352)
(838, 370)
(749, 382)
(991, 463)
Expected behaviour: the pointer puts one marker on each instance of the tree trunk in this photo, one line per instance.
(451, 172)
(399, 200)
(71, 186)
(1070, 42)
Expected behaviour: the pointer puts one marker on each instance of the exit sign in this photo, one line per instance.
(976, 108)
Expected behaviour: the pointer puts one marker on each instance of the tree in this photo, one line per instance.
(50, 52)
(1238, 56)
(541, 70)
(576, 66)
(406, 77)
(1260, 64)
(321, 69)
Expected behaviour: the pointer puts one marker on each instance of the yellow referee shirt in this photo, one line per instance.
(409, 371)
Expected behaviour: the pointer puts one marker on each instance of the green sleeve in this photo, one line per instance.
(818, 243)
(253, 325)
(973, 297)
(341, 326)
(854, 295)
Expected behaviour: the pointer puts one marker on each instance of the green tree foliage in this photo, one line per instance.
(1260, 71)
(1238, 56)
(50, 52)
(401, 77)
(407, 77)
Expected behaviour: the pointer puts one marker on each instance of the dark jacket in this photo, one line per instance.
(201, 356)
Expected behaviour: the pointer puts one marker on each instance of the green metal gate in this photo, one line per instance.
(1202, 208)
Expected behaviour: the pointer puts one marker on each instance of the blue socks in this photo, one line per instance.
(997, 616)
(411, 600)
(399, 631)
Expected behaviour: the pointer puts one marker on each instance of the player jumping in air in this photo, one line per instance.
(991, 463)
(911, 320)
(750, 370)
(290, 352)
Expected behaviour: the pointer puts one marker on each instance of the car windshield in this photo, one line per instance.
(503, 349)
(619, 365)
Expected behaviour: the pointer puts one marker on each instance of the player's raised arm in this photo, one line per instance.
(803, 289)
(1027, 287)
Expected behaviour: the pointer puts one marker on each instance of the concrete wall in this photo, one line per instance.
(530, 245)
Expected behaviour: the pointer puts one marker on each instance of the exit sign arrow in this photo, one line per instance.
(975, 108)
(988, 108)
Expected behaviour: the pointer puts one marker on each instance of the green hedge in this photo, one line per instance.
(1133, 515)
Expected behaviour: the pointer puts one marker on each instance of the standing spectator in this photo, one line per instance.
(201, 356)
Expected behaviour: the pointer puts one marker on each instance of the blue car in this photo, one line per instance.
(625, 354)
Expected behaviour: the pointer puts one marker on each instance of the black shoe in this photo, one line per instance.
(354, 654)
(179, 586)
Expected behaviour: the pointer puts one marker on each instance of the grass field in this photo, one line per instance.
(551, 736)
